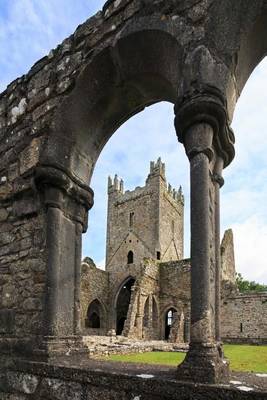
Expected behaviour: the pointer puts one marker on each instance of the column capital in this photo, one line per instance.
(205, 104)
(63, 192)
(218, 179)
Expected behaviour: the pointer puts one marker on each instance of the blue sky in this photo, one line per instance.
(30, 28)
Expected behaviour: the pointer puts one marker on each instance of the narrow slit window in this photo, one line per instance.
(172, 228)
(158, 255)
(131, 221)
(130, 257)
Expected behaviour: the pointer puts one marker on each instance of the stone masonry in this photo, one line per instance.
(148, 222)
(54, 123)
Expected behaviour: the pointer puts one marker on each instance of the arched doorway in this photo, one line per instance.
(94, 315)
(169, 318)
(122, 305)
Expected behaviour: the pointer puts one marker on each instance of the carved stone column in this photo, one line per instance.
(66, 205)
(201, 124)
(218, 183)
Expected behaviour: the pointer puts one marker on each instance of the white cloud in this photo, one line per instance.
(250, 238)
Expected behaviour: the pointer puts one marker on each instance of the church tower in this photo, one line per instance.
(145, 222)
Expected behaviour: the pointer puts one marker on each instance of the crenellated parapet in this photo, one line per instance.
(115, 185)
(176, 195)
(157, 170)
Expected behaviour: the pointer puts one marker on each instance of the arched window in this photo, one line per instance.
(130, 257)
(169, 321)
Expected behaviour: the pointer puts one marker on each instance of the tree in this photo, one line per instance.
(248, 286)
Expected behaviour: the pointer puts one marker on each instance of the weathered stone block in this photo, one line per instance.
(30, 156)
(21, 383)
(3, 214)
(55, 389)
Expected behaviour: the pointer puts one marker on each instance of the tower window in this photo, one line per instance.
(241, 327)
(172, 227)
(131, 221)
(158, 255)
(130, 257)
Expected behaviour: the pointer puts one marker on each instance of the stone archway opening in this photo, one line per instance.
(94, 315)
(122, 304)
(169, 319)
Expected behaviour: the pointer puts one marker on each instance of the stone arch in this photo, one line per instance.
(117, 83)
(95, 316)
(122, 303)
(241, 44)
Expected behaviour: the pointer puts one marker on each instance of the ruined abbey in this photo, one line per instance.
(144, 292)
(54, 122)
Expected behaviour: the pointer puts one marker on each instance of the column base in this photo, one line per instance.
(60, 349)
(204, 363)
(43, 349)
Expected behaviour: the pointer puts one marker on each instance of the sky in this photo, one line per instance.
(29, 29)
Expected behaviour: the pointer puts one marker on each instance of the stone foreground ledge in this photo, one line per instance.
(28, 380)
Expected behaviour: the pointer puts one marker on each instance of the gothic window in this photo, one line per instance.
(168, 322)
(131, 221)
(130, 257)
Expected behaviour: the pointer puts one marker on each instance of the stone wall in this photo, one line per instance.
(174, 291)
(94, 285)
(43, 382)
(228, 257)
(244, 318)
(156, 226)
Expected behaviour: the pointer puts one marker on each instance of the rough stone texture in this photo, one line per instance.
(55, 120)
(228, 257)
(156, 226)
(160, 285)
(118, 382)
(244, 318)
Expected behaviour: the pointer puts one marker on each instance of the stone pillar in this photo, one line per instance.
(150, 315)
(186, 329)
(66, 205)
(218, 183)
(201, 123)
(139, 316)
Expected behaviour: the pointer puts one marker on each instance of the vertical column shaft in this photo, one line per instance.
(200, 238)
(53, 266)
(150, 312)
(218, 182)
(77, 278)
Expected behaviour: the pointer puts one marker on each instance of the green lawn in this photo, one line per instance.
(242, 357)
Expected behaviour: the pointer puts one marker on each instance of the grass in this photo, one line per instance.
(241, 357)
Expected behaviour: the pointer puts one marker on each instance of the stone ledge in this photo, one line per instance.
(109, 381)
